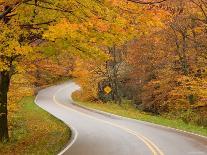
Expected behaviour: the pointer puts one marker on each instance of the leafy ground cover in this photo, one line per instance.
(34, 131)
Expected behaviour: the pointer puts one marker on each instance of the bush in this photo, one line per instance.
(194, 117)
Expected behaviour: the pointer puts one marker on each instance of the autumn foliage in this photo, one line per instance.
(163, 70)
(153, 54)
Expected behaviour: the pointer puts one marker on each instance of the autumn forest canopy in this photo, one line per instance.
(152, 53)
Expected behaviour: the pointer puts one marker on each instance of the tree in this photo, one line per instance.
(23, 25)
(172, 65)
(129, 24)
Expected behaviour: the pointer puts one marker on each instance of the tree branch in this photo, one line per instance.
(143, 2)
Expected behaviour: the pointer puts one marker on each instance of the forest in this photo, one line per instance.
(150, 53)
(161, 70)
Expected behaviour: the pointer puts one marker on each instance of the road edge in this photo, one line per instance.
(74, 132)
(140, 121)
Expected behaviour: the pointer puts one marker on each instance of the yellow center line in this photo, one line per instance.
(153, 148)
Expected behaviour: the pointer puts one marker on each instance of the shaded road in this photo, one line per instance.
(100, 134)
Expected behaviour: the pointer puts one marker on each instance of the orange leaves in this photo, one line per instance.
(195, 87)
(88, 76)
(102, 27)
(97, 23)
(114, 2)
(80, 71)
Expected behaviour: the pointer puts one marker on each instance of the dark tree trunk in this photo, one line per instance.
(185, 66)
(115, 76)
(4, 88)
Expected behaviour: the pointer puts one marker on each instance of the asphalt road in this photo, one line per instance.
(101, 134)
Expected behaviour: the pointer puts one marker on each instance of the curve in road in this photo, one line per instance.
(101, 134)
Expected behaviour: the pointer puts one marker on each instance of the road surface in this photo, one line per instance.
(101, 134)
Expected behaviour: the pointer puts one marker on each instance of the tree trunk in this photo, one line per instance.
(115, 78)
(4, 88)
(185, 66)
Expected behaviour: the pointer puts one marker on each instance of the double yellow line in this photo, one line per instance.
(153, 148)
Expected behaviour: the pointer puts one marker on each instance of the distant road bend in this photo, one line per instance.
(101, 134)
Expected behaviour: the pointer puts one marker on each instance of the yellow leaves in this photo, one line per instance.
(78, 39)
(189, 92)
(3, 66)
(65, 30)
(60, 30)
(20, 87)
(14, 48)
(199, 29)
(10, 2)
(115, 23)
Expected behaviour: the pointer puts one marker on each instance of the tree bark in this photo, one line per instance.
(4, 88)
(115, 76)
(185, 66)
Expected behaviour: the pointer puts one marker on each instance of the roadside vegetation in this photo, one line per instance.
(127, 109)
(34, 131)
(162, 72)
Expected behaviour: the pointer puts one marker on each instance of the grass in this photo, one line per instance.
(35, 132)
(128, 110)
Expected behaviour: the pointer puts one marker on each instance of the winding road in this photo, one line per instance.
(95, 133)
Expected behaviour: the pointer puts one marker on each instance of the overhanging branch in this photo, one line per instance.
(143, 2)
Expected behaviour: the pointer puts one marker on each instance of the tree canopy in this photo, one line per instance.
(152, 52)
